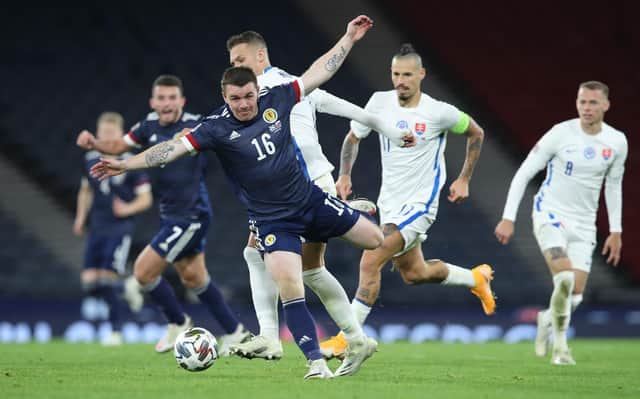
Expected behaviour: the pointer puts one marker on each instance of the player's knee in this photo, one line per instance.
(410, 276)
(143, 275)
(192, 278)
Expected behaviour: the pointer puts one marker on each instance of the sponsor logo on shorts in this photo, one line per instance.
(269, 240)
(269, 115)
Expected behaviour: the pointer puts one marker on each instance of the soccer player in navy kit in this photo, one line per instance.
(109, 206)
(185, 214)
(251, 136)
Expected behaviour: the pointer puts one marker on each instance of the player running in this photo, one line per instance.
(579, 155)
(252, 138)
(185, 214)
(110, 206)
(249, 49)
(411, 182)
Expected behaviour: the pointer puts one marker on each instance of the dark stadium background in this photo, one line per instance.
(513, 66)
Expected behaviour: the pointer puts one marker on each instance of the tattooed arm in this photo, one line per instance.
(459, 190)
(328, 64)
(348, 156)
(158, 155)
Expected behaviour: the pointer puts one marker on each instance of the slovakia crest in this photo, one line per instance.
(606, 153)
(421, 128)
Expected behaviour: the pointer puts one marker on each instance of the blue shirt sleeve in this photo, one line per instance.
(201, 137)
(139, 133)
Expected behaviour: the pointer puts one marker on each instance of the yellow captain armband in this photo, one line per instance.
(462, 125)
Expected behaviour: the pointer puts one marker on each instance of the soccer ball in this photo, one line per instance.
(195, 349)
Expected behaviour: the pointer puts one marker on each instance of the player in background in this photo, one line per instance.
(249, 49)
(252, 138)
(109, 206)
(579, 154)
(185, 214)
(411, 182)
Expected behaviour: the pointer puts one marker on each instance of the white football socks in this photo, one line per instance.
(459, 276)
(264, 292)
(560, 305)
(334, 299)
(360, 310)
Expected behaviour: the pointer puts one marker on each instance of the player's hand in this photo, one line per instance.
(458, 191)
(409, 139)
(85, 140)
(504, 231)
(120, 208)
(613, 247)
(107, 167)
(343, 187)
(78, 228)
(357, 28)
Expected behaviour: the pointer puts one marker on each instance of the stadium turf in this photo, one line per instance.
(606, 369)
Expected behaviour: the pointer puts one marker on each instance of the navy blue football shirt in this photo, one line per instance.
(123, 186)
(179, 185)
(258, 155)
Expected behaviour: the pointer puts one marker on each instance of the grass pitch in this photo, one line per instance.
(606, 369)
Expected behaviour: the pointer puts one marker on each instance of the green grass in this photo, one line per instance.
(606, 369)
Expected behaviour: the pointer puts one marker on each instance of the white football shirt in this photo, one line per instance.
(415, 174)
(303, 126)
(577, 164)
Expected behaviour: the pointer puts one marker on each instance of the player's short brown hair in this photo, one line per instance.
(168, 80)
(111, 117)
(596, 85)
(238, 76)
(247, 37)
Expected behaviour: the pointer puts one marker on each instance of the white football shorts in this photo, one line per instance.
(551, 231)
(413, 221)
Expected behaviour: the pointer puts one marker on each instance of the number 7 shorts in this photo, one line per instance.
(179, 238)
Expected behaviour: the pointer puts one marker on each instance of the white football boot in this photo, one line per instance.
(363, 205)
(318, 369)
(258, 347)
(167, 341)
(357, 352)
(240, 335)
(562, 357)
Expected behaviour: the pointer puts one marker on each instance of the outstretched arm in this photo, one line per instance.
(86, 140)
(330, 104)
(459, 189)
(328, 64)
(348, 156)
(158, 155)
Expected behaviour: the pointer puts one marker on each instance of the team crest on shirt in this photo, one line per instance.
(589, 152)
(269, 240)
(269, 115)
(421, 127)
(606, 153)
(402, 124)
